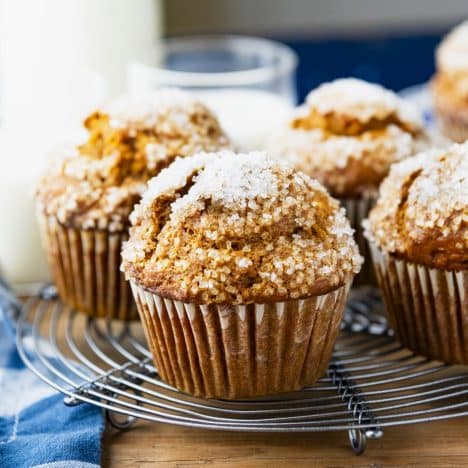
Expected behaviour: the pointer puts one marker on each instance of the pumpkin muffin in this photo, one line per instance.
(86, 195)
(347, 134)
(418, 232)
(450, 84)
(240, 267)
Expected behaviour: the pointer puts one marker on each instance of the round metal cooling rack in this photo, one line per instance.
(371, 381)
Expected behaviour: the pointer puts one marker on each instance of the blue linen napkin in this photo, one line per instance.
(36, 428)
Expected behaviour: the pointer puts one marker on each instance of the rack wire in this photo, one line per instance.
(371, 382)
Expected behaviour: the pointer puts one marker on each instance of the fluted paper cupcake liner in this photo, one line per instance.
(241, 351)
(85, 266)
(427, 307)
(357, 210)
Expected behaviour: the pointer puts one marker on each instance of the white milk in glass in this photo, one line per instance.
(60, 59)
(21, 257)
(249, 116)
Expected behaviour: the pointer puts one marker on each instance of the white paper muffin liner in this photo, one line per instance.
(241, 351)
(427, 307)
(357, 210)
(85, 266)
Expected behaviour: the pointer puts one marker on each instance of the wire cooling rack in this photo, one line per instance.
(371, 382)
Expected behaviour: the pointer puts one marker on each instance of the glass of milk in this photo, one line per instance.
(58, 61)
(249, 82)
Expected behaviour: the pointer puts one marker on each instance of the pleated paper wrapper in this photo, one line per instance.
(427, 307)
(357, 210)
(241, 351)
(85, 266)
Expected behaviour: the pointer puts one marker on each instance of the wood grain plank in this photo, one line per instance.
(436, 444)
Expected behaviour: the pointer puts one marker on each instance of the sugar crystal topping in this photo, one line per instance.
(226, 227)
(232, 180)
(146, 109)
(315, 149)
(175, 176)
(427, 197)
(360, 100)
(441, 189)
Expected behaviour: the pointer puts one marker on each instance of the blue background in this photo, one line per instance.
(396, 62)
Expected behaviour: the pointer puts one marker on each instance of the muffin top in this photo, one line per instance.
(451, 80)
(238, 228)
(422, 211)
(95, 185)
(348, 133)
(452, 53)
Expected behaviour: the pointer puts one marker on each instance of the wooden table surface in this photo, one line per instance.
(436, 444)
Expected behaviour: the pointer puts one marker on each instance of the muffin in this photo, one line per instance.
(86, 195)
(418, 232)
(450, 84)
(240, 267)
(347, 134)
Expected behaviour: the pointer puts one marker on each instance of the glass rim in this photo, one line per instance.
(286, 63)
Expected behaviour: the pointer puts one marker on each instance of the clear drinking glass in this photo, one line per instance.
(249, 82)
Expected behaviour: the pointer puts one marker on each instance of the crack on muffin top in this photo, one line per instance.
(238, 228)
(128, 142)
(351, 107)
(335, 124)
(422, 211)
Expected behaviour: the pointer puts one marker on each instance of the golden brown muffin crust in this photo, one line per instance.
(348, 134)
(450, 96)
(422, 211)
(334, 123)
(96, 185)
(229, 228)
(451, 90)
(449, 86)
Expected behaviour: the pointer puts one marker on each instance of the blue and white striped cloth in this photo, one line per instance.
(36, 428)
